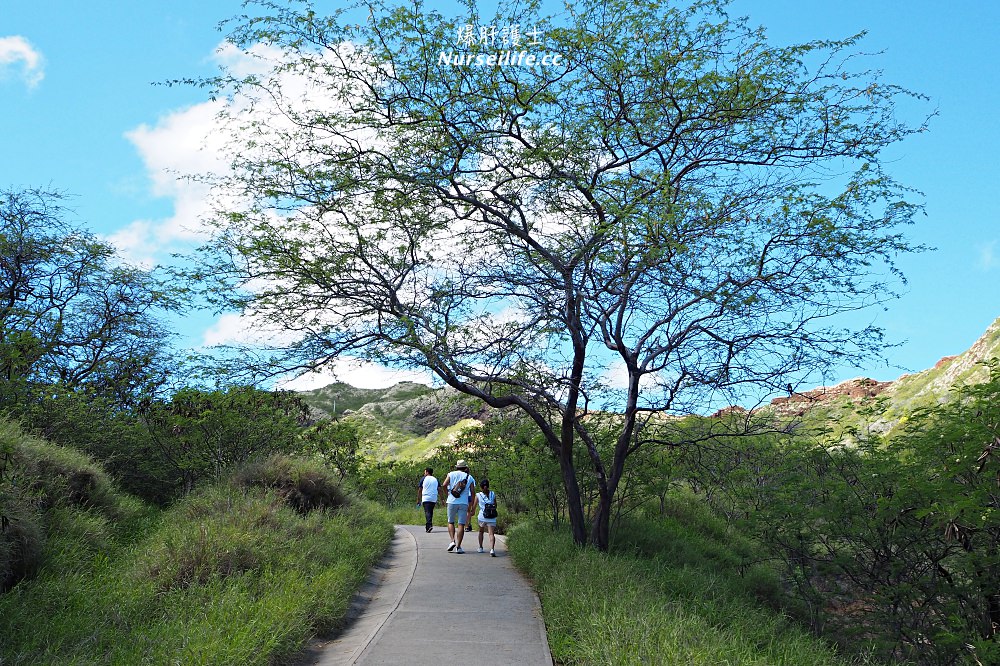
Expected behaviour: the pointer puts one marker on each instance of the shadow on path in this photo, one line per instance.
(422, 604)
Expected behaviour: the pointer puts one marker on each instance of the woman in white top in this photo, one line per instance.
(484, 497)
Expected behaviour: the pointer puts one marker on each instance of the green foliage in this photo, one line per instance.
(336, 443)
(392, 483)
(199, 434)
(96, 425)
(163, 448)
(682, 596)
(887, 544)
(72, 314)
(230, 575)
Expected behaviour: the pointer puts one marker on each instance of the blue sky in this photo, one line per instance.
(79, 112)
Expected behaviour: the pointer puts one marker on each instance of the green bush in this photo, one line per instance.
(63, 477)
(636, 605)
(231, 574)
(301, 483)
(21, 543)
(38, 480)
(890, 545)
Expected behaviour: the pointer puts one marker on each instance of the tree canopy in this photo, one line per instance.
(71, 313)
(673, 214)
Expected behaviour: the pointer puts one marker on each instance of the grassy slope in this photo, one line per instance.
(407, 421)
(911, 392)
(386, 443)
(230, 575)
(676, 589)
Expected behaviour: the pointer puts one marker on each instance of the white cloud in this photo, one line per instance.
(615, 376)
(17, 53)
(194, 141)
(988, 259)
(237, 329)
(182, 143)
(357, 373)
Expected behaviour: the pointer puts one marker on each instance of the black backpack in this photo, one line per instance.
(490, 508)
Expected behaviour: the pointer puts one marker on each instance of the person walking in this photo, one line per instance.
(427, 496)
(468, 525)
(486, 500)
(459, 488)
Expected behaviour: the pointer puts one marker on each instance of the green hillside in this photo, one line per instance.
(864, 405)
(407, 421)
(244, 570)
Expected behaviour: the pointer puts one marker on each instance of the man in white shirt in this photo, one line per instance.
(427, 494)
(462, 483)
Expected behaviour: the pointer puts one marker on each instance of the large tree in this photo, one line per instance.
(672, 214)
(72, 314)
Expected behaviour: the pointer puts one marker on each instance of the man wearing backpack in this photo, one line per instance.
(459, 487)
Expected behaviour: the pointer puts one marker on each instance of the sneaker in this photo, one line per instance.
(451, 546)
(468, 528)
(492, 554)
(429, 529)
(480, 549)
(459, 550)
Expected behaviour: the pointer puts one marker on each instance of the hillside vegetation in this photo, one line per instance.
(242, 571)
(678, 587)
(407, 421)
(864, 405)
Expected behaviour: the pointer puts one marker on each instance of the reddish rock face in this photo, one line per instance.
(855, 389)
(944, 361)
(799, 402)
(734, 409)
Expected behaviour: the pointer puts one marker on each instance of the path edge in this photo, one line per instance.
(360, 628)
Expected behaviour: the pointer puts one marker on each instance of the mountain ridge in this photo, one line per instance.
(418, 417)
(892, 401)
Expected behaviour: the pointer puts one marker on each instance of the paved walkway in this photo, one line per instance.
(424, 605)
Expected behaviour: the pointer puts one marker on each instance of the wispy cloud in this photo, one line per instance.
(236, 329)
(18, 55)
(182, 143)
(357, 373)
(988, 259)
(193, 141)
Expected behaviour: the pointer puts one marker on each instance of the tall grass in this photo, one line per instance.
(242, 572)
(677, 589)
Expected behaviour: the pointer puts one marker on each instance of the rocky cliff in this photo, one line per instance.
(892, 400)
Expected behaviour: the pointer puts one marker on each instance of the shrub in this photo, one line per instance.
(21, 543)
(304, 485)
(37, 479)
(64, 477)
(231, 574)
(630, 606)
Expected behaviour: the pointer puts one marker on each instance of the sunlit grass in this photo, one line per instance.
(679, 594)
(230, 575)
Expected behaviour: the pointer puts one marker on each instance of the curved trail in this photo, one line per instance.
(424, 605)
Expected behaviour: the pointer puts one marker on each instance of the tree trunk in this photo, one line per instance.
(574, 504)
(600, 528)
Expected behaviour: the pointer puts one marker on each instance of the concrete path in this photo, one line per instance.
(424, 605)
